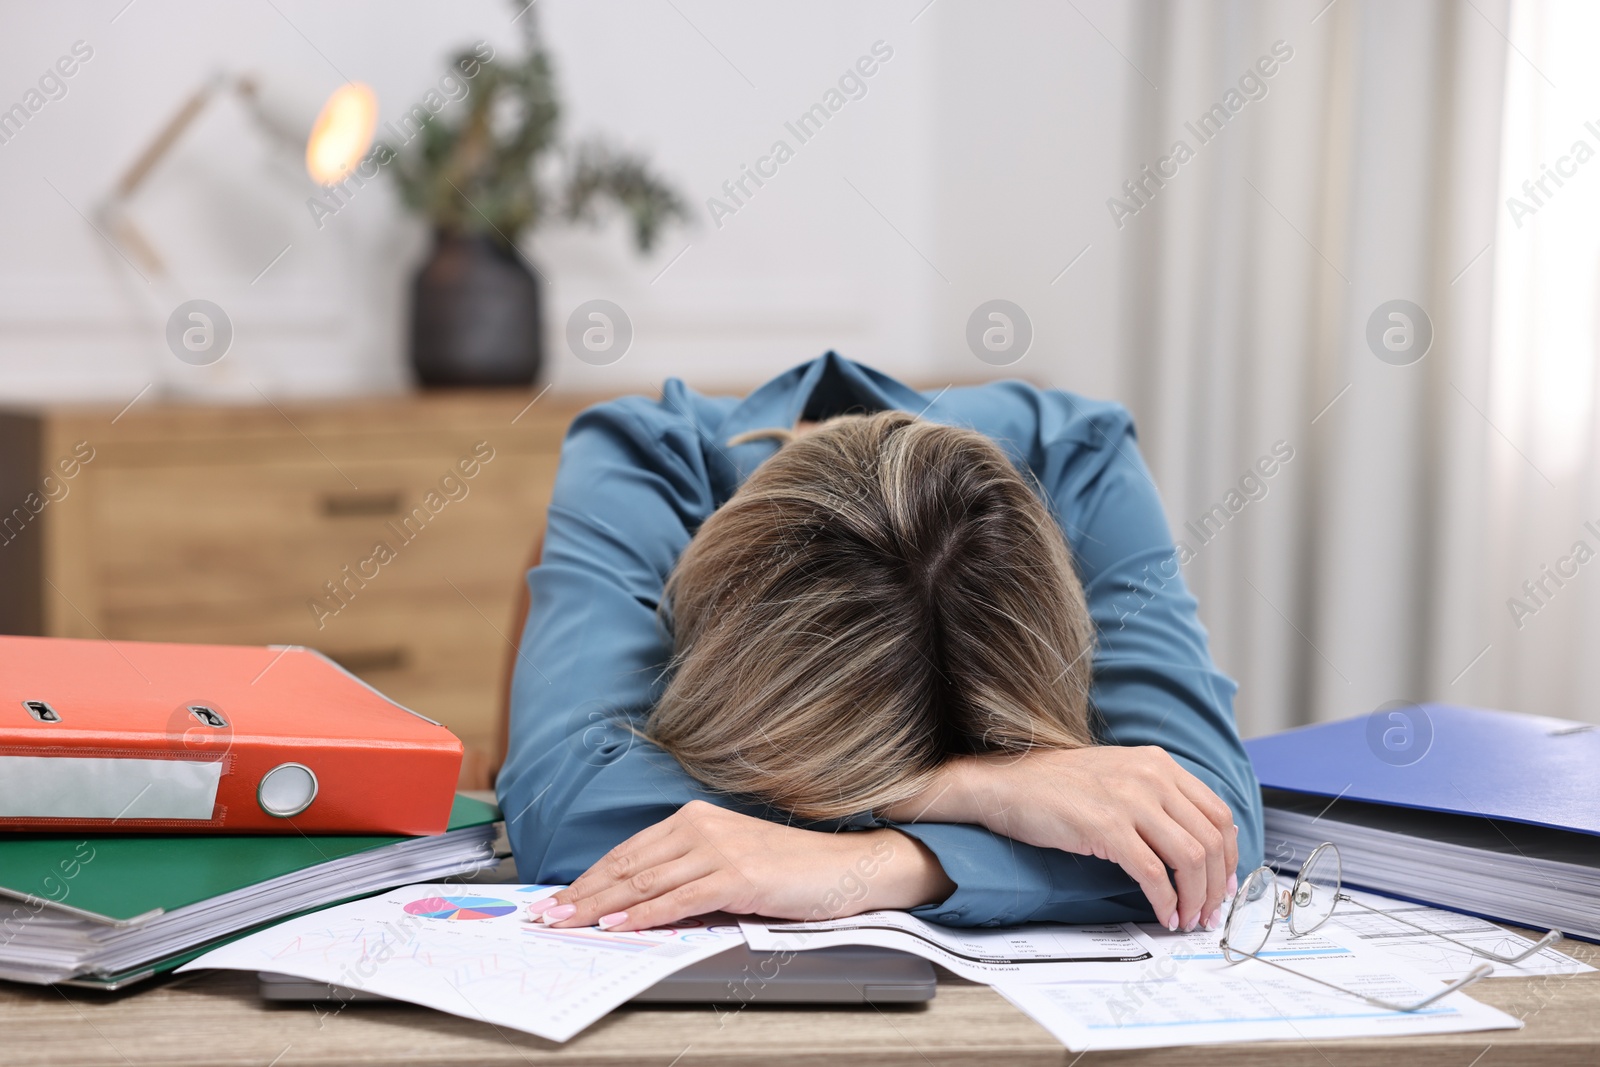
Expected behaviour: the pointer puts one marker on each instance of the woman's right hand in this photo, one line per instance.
(1133, 806)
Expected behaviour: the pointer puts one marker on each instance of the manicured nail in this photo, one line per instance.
(537, 907)
(1172, 923)
(1233, 884)
(1194, 920)
(616, 918)
(1215, 921)
(1235, 827)
(559, 912)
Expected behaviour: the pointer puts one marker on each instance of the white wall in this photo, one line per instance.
(976, 166)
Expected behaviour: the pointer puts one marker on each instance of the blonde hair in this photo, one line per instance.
(881, 595)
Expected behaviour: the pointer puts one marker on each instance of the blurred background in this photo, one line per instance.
(1352, 244)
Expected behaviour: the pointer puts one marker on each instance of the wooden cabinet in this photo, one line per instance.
(392, 534)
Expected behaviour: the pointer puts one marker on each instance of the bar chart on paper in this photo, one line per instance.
(476, 955)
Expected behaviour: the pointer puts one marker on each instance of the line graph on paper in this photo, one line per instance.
(476, 956)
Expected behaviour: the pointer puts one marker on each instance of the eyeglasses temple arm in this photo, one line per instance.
(1482, 970)
(1543, 943)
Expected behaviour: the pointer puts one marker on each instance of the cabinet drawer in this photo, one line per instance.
(274, 535)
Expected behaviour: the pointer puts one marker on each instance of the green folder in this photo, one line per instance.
(123, 879)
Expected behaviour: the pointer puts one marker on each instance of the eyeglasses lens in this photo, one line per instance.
(1316, 890)
(1250, 919)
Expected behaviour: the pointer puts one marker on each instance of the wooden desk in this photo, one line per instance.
(216, 1018)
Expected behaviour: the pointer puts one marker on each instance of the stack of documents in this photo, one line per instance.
(473, 952)
(1487, 812)
(1127, 986)
(108, 910)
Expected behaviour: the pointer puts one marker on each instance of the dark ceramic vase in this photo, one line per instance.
(475, 317)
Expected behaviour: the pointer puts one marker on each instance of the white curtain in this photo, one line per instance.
(1542, 529)
(1353, 573)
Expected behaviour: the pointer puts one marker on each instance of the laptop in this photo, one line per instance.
(844, 975)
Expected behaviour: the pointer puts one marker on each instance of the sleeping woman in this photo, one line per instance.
(840, 646)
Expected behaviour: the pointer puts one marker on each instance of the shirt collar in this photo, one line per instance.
(827, 386)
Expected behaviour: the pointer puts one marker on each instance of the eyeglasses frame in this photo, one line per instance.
(1300, 894)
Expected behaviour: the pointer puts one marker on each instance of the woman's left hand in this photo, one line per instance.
(704, 858)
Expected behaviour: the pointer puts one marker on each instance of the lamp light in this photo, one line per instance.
(339, 138)
(342, 133)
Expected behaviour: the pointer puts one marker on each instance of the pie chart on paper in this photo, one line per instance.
(459, 908)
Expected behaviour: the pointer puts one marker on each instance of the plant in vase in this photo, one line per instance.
(483, 173)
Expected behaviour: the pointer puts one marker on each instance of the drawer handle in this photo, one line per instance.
(347, 505)
(362, 661)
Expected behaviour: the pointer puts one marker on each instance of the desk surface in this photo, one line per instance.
(215, 1018)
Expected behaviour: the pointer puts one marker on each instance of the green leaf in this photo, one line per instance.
(474, 167)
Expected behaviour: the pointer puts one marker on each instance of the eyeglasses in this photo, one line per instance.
(1259, 903)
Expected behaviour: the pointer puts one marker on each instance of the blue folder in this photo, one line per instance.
(1440, 757)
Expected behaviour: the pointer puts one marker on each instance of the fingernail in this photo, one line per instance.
(1194, 921)
(537, 907)
(616, 918)
(559, 912)
(1236, 828)
(1172, 923)
(1215, 921)
(1233, 884)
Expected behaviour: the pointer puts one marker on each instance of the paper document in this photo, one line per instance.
(1437, 956)
(1355, 933)
(1037, 952)
(1201, 950)
(1190, 994)
(1252, 1001)
(470, 951)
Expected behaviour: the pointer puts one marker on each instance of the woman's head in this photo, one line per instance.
(882, 594)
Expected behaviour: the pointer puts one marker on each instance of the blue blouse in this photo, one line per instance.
(638, 476)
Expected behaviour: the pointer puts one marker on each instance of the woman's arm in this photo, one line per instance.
(705, 858)
(1132, 806)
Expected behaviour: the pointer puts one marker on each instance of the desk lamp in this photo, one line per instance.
(337, 141)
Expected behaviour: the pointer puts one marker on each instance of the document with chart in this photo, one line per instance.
(1036, 952)
(1191, 995)
(1250, 1002)
(1437, 956)
(470, 950)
